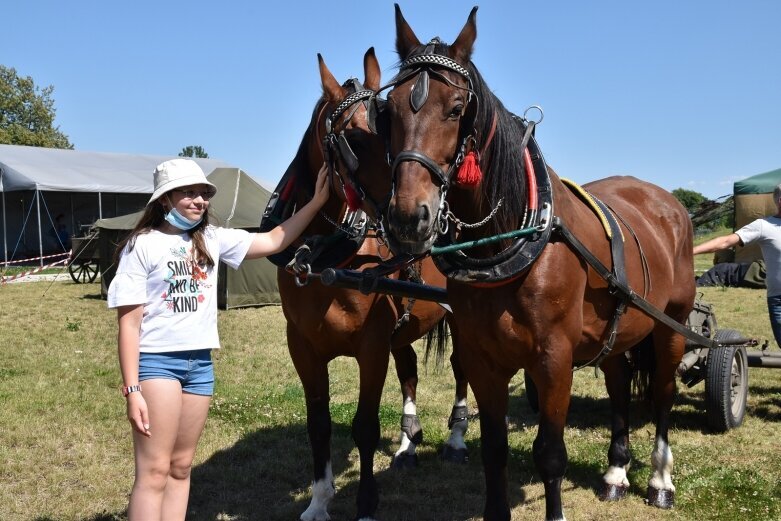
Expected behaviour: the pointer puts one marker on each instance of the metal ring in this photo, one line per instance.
(542, 114)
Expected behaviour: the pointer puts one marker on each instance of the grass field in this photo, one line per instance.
(65, 449)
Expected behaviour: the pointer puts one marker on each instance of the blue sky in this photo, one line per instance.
(679, 93)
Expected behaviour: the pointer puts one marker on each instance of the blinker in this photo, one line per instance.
(348, 156)
(419, 93)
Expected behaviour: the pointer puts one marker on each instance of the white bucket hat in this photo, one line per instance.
(177, 173)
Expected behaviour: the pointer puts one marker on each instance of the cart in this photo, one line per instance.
(83, 265)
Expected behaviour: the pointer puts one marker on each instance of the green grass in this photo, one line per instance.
(65, 449)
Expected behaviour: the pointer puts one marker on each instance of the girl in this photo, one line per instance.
(165, 293)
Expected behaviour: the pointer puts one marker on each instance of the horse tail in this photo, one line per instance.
(643, 363)
(436, 339)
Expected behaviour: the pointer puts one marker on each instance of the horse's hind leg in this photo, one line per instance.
(411, 431)
(455, 450)
(313, 373)
(618, 379)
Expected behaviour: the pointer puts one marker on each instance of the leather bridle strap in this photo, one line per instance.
(423, 159)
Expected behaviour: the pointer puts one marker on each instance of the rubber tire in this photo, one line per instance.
(531, 392)
(726, 383)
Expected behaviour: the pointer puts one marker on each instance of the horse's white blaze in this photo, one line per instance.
(323, 492)
(662, 460)
(406, 444)
(456, 439)
(616, 476)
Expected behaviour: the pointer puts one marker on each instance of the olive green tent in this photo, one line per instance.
(754, 199)
(239, 203)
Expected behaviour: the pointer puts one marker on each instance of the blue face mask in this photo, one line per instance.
(181, 222)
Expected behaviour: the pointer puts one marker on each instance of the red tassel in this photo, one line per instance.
(353, 199)
(469, 173)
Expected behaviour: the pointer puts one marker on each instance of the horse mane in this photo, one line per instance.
(305, 184)
(504, 175)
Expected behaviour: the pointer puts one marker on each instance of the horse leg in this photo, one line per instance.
(373, 365)
(553, 379)
(492, 397)
(668, 349)
(313, 373)
(455, 450)
(618, 380)
(411, 431)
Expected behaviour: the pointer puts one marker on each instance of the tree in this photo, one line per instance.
(193, 151)
(27, 113)
(690, 199)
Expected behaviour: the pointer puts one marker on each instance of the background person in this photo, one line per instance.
(767, 233)
(165, 293)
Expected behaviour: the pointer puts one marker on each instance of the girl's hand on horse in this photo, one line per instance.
(138, 414)
(322, 190)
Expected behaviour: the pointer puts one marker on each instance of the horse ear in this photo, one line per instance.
(331, 88)
(371, 70)
(406, 41)
(461, 49)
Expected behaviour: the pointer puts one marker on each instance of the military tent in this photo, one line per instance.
(49, 194)
(754, 199)
(239, 203)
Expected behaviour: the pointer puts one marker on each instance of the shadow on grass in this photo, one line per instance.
(267, 475)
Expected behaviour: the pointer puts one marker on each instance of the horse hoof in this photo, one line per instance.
(660, 498)
(612, 492)
(451, 455)
(404, 461)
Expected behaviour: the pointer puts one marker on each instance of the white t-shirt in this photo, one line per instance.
(180, 303)
(767, 232)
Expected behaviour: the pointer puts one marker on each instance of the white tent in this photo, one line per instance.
(81, 186)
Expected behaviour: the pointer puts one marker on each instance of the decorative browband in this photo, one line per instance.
(434, 59)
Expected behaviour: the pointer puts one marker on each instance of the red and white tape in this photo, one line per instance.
(33, 259)
(5, 280)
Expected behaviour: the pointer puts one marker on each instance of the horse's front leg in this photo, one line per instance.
(313, 373)
(373, 363)
(411, 430)
(552, 375)
(668, 348)
(618, 380)
(491, 395)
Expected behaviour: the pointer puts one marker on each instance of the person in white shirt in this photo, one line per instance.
(767, 232)
(165, 293)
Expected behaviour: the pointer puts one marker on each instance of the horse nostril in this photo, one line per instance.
(424, 215)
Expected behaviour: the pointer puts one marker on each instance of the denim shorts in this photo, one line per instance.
(192, 369)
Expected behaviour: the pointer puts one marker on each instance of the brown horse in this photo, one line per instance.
(326, 322)
(533, 301)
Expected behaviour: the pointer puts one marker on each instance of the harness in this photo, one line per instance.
(323, 251)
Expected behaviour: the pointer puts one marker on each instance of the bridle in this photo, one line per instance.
(335, 144)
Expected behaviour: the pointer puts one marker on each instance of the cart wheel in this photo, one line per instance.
(531, 392)
(83, 272)
(726, 382)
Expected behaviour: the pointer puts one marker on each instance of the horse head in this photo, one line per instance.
(432, 109)
(355, 152)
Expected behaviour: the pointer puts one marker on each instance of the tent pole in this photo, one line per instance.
(40, 237)
(5, 231)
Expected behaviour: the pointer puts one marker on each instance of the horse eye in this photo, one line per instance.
(457, 112)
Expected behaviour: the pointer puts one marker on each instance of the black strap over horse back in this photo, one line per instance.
(622, 287)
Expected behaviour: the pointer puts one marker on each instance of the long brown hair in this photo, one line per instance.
(154, 217)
